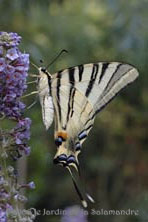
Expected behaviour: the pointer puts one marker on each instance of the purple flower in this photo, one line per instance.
(14, 66)
(27, 150)
(2, 64)
(74, 214)
(4, 195)
(12, 54)
(24, 123)
(1, 180)
(1, 50)
(3, 217)
(9, 39)
(21, 135)
(31, 185)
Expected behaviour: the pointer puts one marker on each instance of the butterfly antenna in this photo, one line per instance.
(83, 201)
(34, 65)
(62, 51)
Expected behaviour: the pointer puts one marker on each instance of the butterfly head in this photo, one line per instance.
(43, 71)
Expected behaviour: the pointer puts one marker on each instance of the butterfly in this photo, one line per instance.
(72, 98)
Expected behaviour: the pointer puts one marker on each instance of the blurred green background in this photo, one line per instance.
(114, 158)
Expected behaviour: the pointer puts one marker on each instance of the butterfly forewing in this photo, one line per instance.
(82, 91)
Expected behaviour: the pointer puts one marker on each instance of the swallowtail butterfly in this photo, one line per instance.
(72, 98)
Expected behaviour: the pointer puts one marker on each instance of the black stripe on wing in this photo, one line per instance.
(81, 69)
(49, 84)
(89, 128)
(72, 105)
(92, 79)
(104, 68)
(71, 73)
(58, 93)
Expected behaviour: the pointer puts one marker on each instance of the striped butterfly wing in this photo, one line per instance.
(79, 93)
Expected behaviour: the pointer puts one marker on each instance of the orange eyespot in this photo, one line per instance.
(62, 134)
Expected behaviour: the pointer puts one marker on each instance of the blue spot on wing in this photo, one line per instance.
(82, 135)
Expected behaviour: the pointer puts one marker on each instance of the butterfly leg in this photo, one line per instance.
(34, 75)
(32, 104)
(32, 93)
(28, 83)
